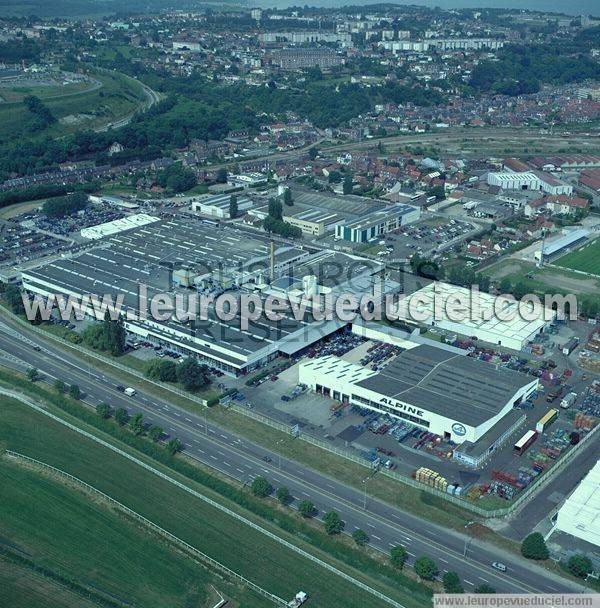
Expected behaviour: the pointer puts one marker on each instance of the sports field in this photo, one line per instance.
(584, 259)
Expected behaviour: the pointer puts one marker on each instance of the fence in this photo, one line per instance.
(165, 533)
(202, 497)
(538, 484)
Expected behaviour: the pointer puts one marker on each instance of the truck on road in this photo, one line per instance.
(568, 400)
(298, 600)
(130, 392)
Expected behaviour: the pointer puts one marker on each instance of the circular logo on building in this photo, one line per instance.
(459, 429)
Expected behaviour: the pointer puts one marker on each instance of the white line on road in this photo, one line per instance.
(377, 537)
(483, 579)
(468, 582)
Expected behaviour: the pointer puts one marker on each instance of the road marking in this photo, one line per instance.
(189, 419)
(305, 494)
(223, 436)
(177, 414)
(411, 554)
(226, 464)
(377, 537)
(213, 457)
(468, 582)
(370, 525)
(443, 560)
(240, 470)
(483, 579)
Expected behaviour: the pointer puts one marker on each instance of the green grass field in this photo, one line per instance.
(233, 543)
(118, 96)
(66, 531)
(584, 259)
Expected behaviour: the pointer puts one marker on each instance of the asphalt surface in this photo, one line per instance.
(243, 460)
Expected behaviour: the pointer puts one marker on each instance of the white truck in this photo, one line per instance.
(568, 400)
(298, 600)
(130, 392)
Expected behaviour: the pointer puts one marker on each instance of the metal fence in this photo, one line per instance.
(538, 484)
(150, 524)
(202, 497)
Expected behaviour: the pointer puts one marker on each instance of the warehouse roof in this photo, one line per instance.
(552, 247)
(447, 384)
(580, 515)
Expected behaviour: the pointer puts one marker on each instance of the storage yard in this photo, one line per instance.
(463, 418)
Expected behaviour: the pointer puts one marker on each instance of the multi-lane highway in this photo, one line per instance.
(242, 460)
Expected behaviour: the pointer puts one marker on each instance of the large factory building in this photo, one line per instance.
(439, 390)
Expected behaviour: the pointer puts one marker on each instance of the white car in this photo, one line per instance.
(499, 566)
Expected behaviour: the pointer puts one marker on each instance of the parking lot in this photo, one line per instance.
(429, 236)
(19, 244)
(399, 445)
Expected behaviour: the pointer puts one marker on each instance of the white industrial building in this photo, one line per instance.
(438, 389)
(529, 180)
(121, 225)
(580, 514)
(217, 205)
(441, 305)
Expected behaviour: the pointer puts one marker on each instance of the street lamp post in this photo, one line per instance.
(468, 538)
(279, 453)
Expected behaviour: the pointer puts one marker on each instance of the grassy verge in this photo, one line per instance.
(118, 96)
(62, 528)
(395, 493)
(231, 542)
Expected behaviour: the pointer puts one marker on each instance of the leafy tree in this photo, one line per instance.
(136, 424)
(233, 206)
(333, 523)
(574, 438)
(14, 299)
(193, 375)
(60, 386)
(306, 508)
(173, 446)
(360, 537)
(155, 432)
(484, 588)
(122, 416)
(103, 410)
(32, 374)
(425, 568)
(313, 153)
(398, 556)
(534, 547)
(580, 565)
(161, 369)
(74, 391)
(438, 192)
(451, 583)
(275, 209)
(505, 286)
(348, 185)
(177, 178)
(288, 199)
(221, 177)
(283, 495)
(261, 487)
(281, 227)
(65, 205)
(334, 177)
(41, 112)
